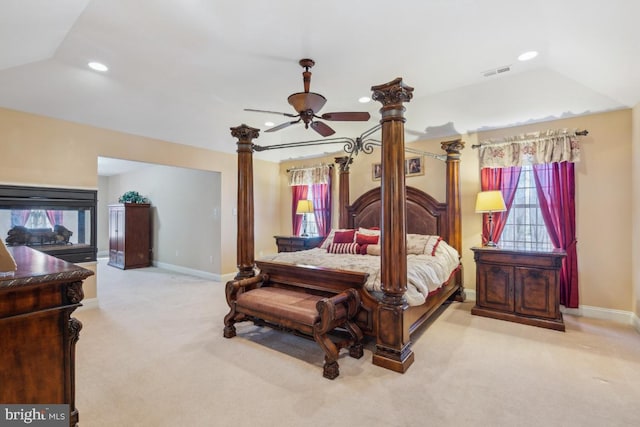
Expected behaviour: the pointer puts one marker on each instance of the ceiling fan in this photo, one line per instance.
(307, 104)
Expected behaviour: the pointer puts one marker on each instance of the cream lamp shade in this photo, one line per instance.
(304, 206)
(490, 201)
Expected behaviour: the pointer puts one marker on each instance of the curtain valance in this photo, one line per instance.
(551, 146)
(309, 176)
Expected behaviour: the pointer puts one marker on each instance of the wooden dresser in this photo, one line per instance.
(519, 286)
(297, 243)
(37, 332)
(129, 235)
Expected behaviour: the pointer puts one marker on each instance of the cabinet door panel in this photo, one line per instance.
(495, 287)
(535, 292)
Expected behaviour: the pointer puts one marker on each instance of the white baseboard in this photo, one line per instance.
(189, 271)
(619, 316)
(470, 294)
(88, 304)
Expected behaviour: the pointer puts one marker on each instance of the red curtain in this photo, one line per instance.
(505, 180)
(555, 184)
(322, 207)
(298, 192)
(55, 217)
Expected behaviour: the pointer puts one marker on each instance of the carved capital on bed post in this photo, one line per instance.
(245, 254)
(392, 342)
(343, 192)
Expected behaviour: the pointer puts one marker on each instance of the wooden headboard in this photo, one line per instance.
(425, 215)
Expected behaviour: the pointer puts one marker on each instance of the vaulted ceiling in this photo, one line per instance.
(185, 70)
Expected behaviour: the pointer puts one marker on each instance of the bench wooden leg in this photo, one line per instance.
(331, 369)
(356, 349)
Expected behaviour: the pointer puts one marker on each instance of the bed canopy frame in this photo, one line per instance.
(395, 321)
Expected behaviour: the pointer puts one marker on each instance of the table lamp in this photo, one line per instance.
(490, 202)
(304, 207)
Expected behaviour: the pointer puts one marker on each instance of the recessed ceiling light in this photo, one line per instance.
(364, 99)
(528, 55)
(269, 124)
(98, 66)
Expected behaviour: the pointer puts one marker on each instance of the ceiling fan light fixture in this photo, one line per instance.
(303, 101)
(528, 55)
(269, 124)
(364, 99)
(98, 66)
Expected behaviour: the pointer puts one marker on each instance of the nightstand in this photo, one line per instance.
(519, 286)
(297, 243)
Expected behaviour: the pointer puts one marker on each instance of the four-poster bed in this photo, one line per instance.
(393, 208)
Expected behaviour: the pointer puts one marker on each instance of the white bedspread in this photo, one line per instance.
(425, 273)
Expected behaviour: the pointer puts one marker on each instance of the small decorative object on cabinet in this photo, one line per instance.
(297, 243)
(519, 286)
(129, 235)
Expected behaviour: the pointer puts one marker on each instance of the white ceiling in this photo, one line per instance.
(184, 70)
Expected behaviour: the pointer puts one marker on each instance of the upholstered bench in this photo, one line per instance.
(274, 298)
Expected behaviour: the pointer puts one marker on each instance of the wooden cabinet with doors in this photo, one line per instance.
(129, 235)
(519, 286)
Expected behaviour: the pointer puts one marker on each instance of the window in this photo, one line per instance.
(525, 228)
(312, 227)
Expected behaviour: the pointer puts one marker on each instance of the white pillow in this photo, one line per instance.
(369, 231)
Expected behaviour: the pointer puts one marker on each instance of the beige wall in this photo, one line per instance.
(635, 213)
(603, 180)
(185, 213)
(37, 150)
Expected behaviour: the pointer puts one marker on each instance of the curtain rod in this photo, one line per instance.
(309, 167)
(529, 139)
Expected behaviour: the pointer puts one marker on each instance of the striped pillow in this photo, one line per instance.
(343, 248)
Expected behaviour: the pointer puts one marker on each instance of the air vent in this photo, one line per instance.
(498, 70)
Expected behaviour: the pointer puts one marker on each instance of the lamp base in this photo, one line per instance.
(491, 244)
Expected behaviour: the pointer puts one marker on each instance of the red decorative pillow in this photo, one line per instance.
(343, 248)
(367, 239)
(344, 236)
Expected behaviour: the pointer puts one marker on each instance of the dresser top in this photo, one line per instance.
(524, 251)
(36, 267)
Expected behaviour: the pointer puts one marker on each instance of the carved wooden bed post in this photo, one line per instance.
(393, 344)
(454, 225)
(245, 254)
(453, 149)
(343, 192)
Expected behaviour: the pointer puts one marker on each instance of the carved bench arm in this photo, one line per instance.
(234, 287)
(326, 307)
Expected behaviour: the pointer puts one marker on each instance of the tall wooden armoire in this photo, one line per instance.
(130, 235)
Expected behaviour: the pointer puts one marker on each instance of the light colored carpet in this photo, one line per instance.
(153, 354)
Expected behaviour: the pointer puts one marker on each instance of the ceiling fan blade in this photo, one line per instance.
(303, 101)
(271, 112)
(322, 128)
(282, 126)
(347, 116)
